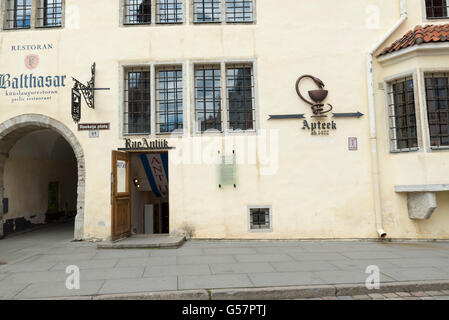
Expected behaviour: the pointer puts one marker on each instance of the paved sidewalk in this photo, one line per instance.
(37, 262)
(418, 295)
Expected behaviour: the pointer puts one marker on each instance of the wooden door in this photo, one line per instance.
(121, 195)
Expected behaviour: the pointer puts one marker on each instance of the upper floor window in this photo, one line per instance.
(137, 12)
(207, 10)
(437, 90)
(169, 99)
(240, 96)
(137, 104)
(436, 9)
(239, 10)
(402, 115)
(49, 13)
(18, 14)
(169, 11)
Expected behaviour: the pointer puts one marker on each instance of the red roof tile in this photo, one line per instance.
(419, 35)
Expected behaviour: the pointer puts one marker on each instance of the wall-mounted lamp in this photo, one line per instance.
(136, 182)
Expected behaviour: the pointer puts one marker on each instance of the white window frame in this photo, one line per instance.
(270, 214)
(153, 21)
(424, 13)
(387, 87)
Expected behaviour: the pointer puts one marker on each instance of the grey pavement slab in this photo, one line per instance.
(36, 277)
(121, 253)
(317, 256)
(65, 257)
(48, 290)
(262, 257)
(177, 252)
(363, 264)
(362, 255)
(144, 262)
(224, 251)
(116, 273)
(88, 264)
(420, 262)
(241, 267)
(9, 290)
(30, 267)
(161, 283)
(174, 270)
(219, 281)
(205, 259)
(303, 266)
(416, 274)
(341, 277)
(276, 279)
(277, 249)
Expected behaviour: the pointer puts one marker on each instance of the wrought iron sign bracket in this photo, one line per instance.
(88, 92)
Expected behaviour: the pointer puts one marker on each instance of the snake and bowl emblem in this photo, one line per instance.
(318, 96)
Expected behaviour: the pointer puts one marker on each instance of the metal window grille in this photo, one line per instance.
(18, 14)
(169, 11)
(207, 10)
(208, 98)
(137, 115)
(239, 10)
(49, 13)
(437, 88)
(260, 218)
(436, 8)
(169, 100)
(240, 96)
(137, 12)
(402, 114)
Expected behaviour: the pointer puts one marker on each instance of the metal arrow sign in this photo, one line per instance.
(348, 115)
(286, 116)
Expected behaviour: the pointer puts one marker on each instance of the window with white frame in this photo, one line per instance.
(206, 10)
(169, 99)
(240, 96)
(49, 13)
(437, 9)
(169, 11)
(17, 14)
(260, 218)
(137, 101)
(437, 99)
(402, 115)
(239, 10)
(137, 11)
(208, 98)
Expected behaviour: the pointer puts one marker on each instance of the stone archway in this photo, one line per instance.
(15, 128)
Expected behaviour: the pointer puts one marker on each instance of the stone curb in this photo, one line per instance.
(273, 293)
(167, 245)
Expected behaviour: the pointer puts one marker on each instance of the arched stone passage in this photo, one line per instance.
(15, 128)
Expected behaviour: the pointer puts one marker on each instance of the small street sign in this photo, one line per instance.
(353, 144)
(94, 134)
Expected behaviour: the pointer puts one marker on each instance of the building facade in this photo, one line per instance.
(235, 119)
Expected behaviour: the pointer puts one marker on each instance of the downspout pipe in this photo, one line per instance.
(372, 118)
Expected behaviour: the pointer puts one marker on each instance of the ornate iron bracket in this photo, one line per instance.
(88, 92)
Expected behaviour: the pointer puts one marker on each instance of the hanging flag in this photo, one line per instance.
(156, 169)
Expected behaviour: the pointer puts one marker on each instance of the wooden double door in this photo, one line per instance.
(120, 195)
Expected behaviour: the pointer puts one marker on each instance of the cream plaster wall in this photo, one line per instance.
(317, 188)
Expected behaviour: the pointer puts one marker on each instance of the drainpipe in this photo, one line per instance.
(372, 118)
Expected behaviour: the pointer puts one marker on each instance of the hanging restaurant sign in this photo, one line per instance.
(88, 92)
(318, 124)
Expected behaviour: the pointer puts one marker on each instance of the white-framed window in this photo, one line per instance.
(239, 11)
(436, 9)
(208, 98)
(240, 96)
(224, 97)
(137, 100)
(137, 12)
(207, 11)
(402, 115)
(169, 11)
(18, 14)
(260, 219)
(169, 99)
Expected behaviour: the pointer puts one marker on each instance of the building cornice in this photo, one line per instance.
(427, 49)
